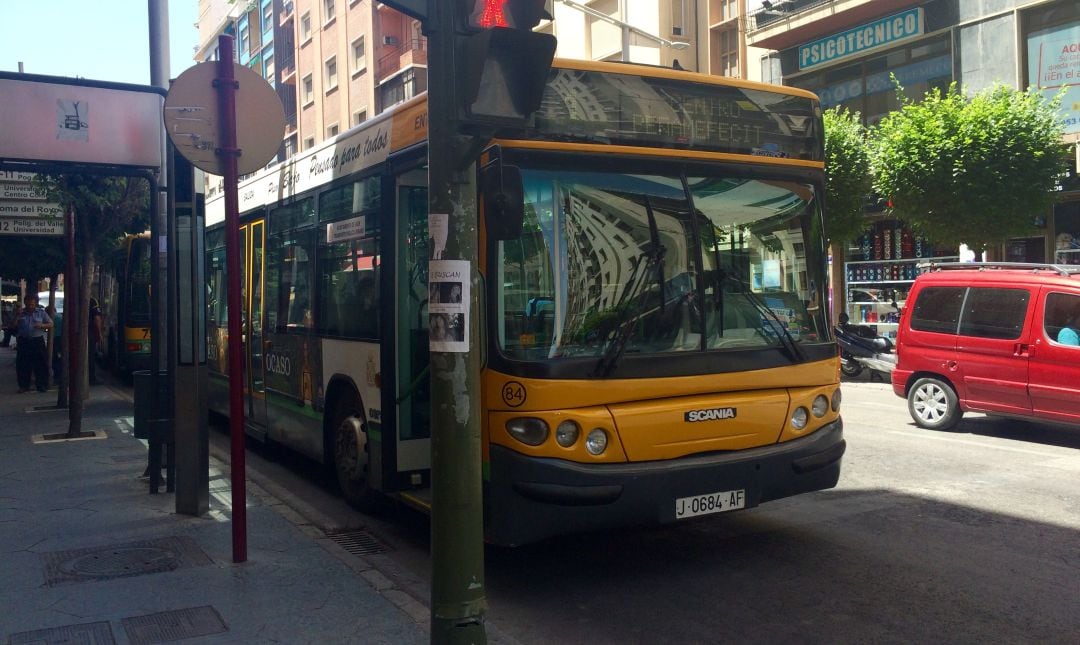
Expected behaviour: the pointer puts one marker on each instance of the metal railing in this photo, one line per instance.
(776, 10)
(1061, 269)
(390, 62)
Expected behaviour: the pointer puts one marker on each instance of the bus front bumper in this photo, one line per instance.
(530, 499)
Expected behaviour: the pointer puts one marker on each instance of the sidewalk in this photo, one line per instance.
(87, 555)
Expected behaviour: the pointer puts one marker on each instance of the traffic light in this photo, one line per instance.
(504, 63)
(513, 14)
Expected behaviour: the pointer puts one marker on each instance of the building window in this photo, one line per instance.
(330, 67)
(268, 17)
(359, 57)
(245, 39)
(728, 52)
(359, 116)
(678, 17)
(308, 89)
(309, 142)
(332, 130)
(328, 11)
(305, 28)
(268, 68)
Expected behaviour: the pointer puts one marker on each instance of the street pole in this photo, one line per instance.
(458, 600)
(226, 88)
(160, 310)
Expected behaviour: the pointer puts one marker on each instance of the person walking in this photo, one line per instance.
(31, 352)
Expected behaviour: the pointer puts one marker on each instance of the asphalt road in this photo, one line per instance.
(965, 536)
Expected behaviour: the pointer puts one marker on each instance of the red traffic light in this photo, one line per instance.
(513, 14)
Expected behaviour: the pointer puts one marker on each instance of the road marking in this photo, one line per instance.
(918, 435)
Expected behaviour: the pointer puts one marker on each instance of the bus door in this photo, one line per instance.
(252, 238)
(413, 394)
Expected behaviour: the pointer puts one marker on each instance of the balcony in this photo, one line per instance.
(780, 24)
(401, 56)
(775, 10)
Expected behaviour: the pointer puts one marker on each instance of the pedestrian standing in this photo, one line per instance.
(94, 351)
(11, 313)
(31, 352)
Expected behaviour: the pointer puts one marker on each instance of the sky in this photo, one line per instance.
(104, 40)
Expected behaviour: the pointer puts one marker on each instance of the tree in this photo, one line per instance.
(847, 184)
(31, 258)
(973, 170)
(105, 208)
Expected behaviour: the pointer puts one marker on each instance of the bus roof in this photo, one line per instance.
(654, 126)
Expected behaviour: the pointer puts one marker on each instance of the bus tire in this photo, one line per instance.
(349, 450)
(933, 404)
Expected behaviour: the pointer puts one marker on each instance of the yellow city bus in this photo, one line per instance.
(654, 338)
(123, 293)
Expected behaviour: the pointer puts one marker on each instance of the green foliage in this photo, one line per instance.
(975, 171)
(31, 258)
(847, 174)
(105, 207)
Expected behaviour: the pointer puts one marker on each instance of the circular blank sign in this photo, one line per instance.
(194, 125)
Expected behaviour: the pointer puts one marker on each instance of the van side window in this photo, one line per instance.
(994, 313)
(938, 309)
(1061, 318)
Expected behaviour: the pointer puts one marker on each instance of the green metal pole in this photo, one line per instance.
(458, 600)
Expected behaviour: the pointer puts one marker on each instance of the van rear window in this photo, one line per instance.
(937, 309)
(994, 313)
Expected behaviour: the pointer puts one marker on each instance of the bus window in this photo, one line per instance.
(349, 296)
(138, 296)
(289, 292)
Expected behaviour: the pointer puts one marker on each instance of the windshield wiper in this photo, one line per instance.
(654, 259)
(783, 334)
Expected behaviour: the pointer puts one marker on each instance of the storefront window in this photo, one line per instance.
(1052, 60)
(867, 86)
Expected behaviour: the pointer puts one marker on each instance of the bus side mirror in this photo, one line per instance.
(504, 200)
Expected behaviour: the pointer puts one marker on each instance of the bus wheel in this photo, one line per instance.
(933, 404)
(351, 455)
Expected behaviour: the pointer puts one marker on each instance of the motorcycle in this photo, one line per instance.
(862, 348)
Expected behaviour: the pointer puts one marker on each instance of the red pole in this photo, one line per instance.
(71, 298)
(226, 87)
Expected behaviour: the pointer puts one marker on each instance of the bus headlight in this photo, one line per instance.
(596, 442)
(799, 418)
(836, 400)
(820, 407)
(567, 433)
(528, 430)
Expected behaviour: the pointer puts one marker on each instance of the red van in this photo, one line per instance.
(994, 338)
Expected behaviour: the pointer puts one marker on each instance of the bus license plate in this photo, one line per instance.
(728, 500)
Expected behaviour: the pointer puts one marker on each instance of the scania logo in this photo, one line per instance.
(710, 414)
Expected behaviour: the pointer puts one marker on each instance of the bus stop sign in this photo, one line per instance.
(193, 126)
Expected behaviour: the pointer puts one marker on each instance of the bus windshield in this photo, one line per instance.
(610, 262)
(138, 283)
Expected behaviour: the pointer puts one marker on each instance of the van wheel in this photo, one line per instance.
(350, 454)
(933, 404)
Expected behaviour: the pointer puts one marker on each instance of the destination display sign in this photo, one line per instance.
(21, 190)
(31, 226)
(20, 198)
(623, 109)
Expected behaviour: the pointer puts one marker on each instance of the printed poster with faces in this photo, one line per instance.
(448, 305)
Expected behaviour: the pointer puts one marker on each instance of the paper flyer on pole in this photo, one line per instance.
(448, 305)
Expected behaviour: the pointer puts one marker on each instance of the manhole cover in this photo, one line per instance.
(122, 560)
(83, 634)
(358, 542)
(174, 625)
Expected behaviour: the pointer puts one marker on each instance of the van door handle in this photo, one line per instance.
(1021, 349)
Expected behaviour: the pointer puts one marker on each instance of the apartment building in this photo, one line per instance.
(334, 63)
